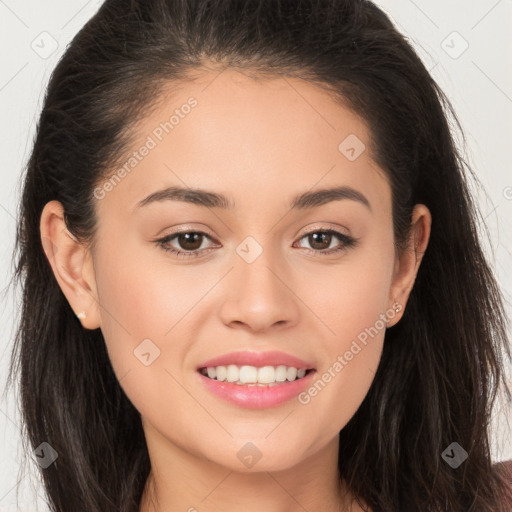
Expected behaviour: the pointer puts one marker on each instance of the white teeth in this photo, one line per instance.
(291, 373)
(266, 375)
(248, 374)
(232, 373)
(252, 375)
(220, 372)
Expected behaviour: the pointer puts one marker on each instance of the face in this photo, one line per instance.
(265, 271)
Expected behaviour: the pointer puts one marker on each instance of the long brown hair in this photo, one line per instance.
(442, 364)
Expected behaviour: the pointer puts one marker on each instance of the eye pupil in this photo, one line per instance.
(190, 238)
(315, 236)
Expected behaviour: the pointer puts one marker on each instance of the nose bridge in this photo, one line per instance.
(257, 265)
(258, 295)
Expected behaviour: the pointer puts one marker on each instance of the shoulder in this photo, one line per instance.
(504, 468)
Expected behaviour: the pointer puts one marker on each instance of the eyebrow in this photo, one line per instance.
(306, 200)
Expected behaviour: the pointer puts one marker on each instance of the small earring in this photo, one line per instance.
(396, 306)
(81, 315)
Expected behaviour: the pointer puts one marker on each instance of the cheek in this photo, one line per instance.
(141, 293)
(148, 322)
(136, 311)
(354, 305)
(351, 294)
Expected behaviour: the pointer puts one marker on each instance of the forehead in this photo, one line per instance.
(246, 135)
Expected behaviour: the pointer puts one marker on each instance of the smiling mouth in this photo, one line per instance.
(246, 375)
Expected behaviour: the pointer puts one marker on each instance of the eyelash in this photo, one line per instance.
(347, 242)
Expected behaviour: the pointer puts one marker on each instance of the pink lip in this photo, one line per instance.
(257, 397)
(258, 359)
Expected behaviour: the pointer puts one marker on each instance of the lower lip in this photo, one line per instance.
(257, 397)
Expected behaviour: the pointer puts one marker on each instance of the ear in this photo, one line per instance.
(408, 262)
(71, 263)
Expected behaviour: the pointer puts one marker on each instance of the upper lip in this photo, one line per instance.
(269, 358)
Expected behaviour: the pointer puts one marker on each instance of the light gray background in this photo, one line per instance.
(478, 81)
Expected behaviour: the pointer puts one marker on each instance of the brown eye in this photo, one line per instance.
(185, 244)
(319, 240)
(189, 241)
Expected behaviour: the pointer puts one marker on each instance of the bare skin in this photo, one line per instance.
(260, 143)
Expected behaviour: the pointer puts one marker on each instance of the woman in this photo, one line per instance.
(252, 277)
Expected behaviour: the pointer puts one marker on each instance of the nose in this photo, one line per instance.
(259, 295)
